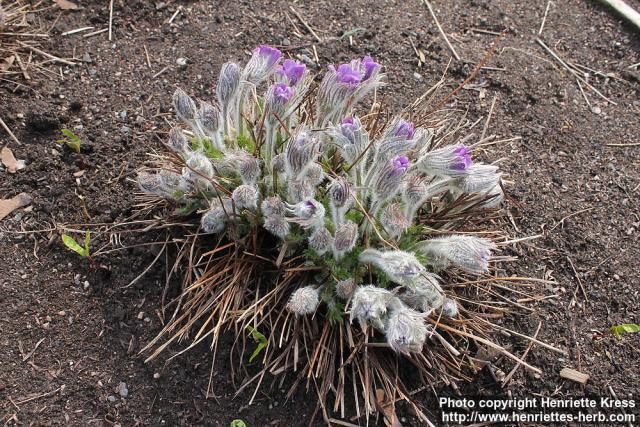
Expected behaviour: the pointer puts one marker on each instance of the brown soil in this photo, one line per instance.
(567, 184)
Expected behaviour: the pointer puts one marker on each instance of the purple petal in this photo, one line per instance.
(346, 74)
(271, 54)
(282, 92)
(293, 70)
(370, 66)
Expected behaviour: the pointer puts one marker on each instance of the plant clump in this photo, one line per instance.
(355, 219)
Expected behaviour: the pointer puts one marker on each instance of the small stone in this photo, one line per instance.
(417, 76)
(111, 399)
(48, 318)
(62, 313)
(125, 129)
(141, 315)
(156, 375)
(123, 390)
(596, 110)
(93, 72)
(123, 114)
(286, 42)
(182, 62)
(86, 285)
(87, 58)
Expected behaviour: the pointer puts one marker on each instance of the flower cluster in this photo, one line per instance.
(311, 173)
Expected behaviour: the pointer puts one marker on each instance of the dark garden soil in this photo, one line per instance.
(70, 334)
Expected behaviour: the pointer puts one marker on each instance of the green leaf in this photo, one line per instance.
(624, 328)
(70, 243)
(246, 143)
(259, 338)
(237, 423)
(351, 32)
(72, 140)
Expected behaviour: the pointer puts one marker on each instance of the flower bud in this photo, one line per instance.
(228, 82)
(450, 308)
(178, 141)
(400, 267)
(263, 62)
(340, 193)
(345, 288)
(370, 305)
(425, 294)
(315, 174)
(245, 197)
(301, 189)
(346, 238)
(184, 106)
(301, 151)
(406, 330)
(448, 161)
(276, 225)
(469, 253)
(273, 206)
(304, 301)
(479, 178)
(320, 240)
(278, 163)
(393, 219)
(308, 214)
(215, 219)
(209, 118)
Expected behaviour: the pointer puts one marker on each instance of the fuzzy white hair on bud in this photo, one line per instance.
(277, 225)
(345, 240)
(245, 197)
(370, 305)
(406, 330)
(307, 214)
(450, 308)
(320, 240)
(345, 288)
(304, 301)
(469, 253)
(400, 267)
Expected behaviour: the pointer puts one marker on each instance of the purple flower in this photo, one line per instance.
(400, 165)
(270, 54)
(370, 66)
(348, 75)
(347, 121)
(282, 92)
(292, 70)
(403, 129)
(464, 159)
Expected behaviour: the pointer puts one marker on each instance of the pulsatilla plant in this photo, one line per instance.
(334, 233)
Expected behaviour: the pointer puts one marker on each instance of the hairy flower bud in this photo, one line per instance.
(228, 82)
(479, 178)
(393, 219)
(315, 174)
(209, 118)
(406, 330)
(320, 240)
(340, 192)
(370, 305)
(199, 170)
(469, 253)
(178, 141)
(276, 225)
(448, 161)
(278, 163)
(300, 153)
(346, 238)
(301, 189)
(263, 62)
(390, 178)
(308, 213)
(273, 206)
(450, 308)
(215, 219)
(425, 294)
(400, 267)
(184, 106)
(304, 301)
(245, 197)
(345, 288)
